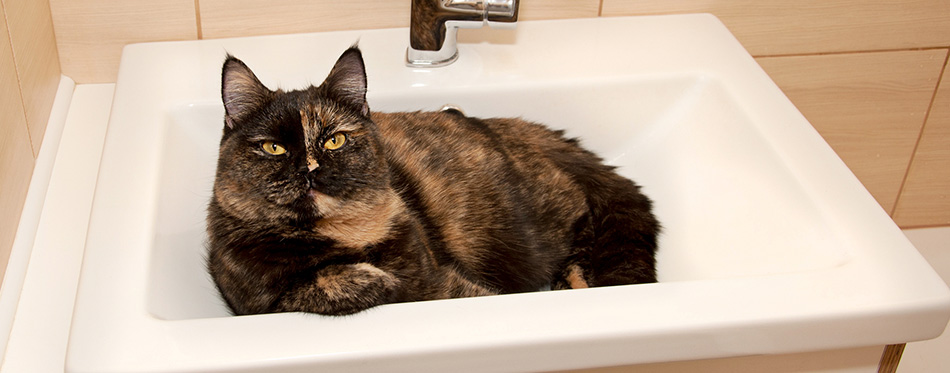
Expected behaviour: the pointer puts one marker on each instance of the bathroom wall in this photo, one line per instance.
(29, 77)
(866, 74)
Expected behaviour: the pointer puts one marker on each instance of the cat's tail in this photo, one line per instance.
(615, 242)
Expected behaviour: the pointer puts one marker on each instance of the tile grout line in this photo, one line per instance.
(920, 135)
(198, 20)
(926, 226)
(19, 81)
(869, 51)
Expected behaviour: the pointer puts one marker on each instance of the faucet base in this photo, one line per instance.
(445, 55)
(414, 58)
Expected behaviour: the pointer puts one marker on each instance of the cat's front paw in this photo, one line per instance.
(343, 282)
(342, 290)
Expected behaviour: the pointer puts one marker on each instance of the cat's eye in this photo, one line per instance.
(273, 148)
(336, 141)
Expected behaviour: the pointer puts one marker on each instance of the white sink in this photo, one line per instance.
(770, 244)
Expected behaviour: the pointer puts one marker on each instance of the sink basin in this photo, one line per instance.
(770, 244)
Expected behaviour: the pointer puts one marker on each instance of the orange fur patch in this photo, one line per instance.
(360, 224)
(326, 205)
(575, 277)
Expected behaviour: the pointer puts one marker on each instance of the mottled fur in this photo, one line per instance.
(413, 206)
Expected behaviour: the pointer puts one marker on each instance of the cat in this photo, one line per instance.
(320, 205)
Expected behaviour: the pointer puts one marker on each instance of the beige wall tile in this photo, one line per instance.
(91, 33)
(925, 200)
(37, 61)
(16, 156)
(868, 106)
(231, 18)
(557, 9)
(772, 27)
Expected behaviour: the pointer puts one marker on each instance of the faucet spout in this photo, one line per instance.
(435, 23)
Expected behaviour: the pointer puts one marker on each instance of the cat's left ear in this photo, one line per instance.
(347, 80)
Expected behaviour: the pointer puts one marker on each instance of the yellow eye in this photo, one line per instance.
(336, 141)
(273, 148)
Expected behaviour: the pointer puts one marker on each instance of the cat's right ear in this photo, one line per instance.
(241, 91)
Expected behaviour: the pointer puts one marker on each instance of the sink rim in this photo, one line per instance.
(780, 322)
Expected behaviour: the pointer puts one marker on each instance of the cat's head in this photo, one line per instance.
(298, 156)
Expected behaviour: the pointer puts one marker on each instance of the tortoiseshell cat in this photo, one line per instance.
(321, 206)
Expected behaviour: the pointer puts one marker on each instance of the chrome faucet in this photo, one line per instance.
(434, 24)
